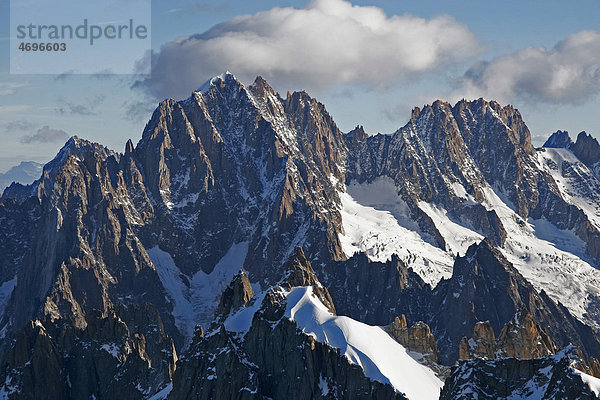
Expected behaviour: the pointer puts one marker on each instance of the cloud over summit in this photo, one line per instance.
(325, 43)
(45, 135)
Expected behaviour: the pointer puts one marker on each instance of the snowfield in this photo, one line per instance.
(381, 357)
(377, 222)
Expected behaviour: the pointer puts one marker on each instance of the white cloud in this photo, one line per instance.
(45, 135)
(325, 43)
(567, 73)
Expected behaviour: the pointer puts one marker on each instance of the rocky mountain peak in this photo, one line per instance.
(586, 148)
(74, 150)
(300, 273)
(129, 147)
(416, 338)
(559, 139)
(260, 87)
(357, 134)
(491, 122)
(236, 295)
(522, 337)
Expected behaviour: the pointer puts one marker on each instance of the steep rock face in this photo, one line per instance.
(520, 338)
(559, 140)
(523, 338)
(222, 364)
(237, 294)
(481, 345)
(264, 161)
(375, 292)
(18, 224)
(416, 338)
(465, 159)
(500, 143)
(84, 254)
(587, 149)
(486, 287)
(445, 153)
(106, 359)
(550, 378)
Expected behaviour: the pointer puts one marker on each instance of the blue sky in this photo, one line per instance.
(537, 55)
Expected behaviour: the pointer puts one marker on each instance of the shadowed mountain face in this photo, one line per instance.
(238, 177)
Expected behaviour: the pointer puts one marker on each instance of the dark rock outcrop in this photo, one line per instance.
(486, 287)
(236, 295)
(550, 378)
(520, 338)
(416, 338)
(108, 359)
(587, 149)
(481, 345)
(559, 140)
(376, 292)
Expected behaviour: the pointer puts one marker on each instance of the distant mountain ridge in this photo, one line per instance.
(24, 173)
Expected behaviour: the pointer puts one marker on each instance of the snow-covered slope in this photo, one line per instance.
(577, 184)
(381, 357)
(541, 253)
(591, 381)
(376, 221)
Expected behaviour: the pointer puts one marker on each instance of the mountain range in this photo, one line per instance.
(24, 173)
(247, 248)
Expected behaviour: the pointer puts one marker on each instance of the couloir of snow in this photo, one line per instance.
(376, 221)
(196, 302)
(381, 357)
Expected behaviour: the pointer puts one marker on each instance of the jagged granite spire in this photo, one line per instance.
(559, 140)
